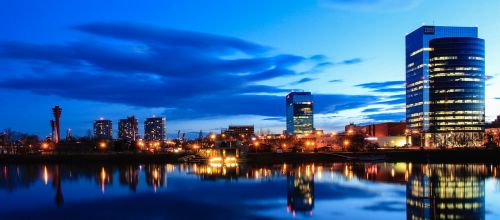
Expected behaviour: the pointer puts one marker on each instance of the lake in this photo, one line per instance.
(284, 191)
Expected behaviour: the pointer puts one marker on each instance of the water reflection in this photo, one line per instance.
(446, 192)
(300, 190)
(433, 191)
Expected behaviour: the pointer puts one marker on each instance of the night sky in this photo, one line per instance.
(207, 64)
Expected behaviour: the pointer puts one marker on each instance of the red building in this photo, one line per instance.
(379, 130)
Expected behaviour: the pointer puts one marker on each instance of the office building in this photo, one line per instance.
(299, 113)
(154, 129)
(239, 131)
(128, 129)
(445, 86)
(103, 129)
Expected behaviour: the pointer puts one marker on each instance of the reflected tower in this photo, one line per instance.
(300, 192)
(446, 192)
(59, 199)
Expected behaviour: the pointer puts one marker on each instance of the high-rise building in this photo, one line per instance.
(445, 86)
(56, 125)
(103, 129)
(299, 113)
(128, 129)
(154, 129)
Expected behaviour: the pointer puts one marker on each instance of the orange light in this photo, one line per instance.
(102, 145)
(346, 142)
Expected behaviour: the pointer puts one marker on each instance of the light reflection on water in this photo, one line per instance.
(194, 191)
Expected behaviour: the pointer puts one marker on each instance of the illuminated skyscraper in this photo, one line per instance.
(445, 86)
(299, 113)
(154, 129)
(103, 129)
(128, 129)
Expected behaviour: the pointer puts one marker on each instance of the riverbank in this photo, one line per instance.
(415, 156)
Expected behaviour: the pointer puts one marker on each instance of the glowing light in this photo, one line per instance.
(102, 145)
(45, 175)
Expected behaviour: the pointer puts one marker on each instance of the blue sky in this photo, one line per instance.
(206, 64)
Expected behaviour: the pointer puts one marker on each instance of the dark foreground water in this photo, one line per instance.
(309, 191)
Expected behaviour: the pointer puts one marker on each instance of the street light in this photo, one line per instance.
(102, 145)
(346, 143)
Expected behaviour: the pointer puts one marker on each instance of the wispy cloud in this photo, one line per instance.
(303, 80)
(186, 72)
(336, 80)
(372, 5)
(379, 85)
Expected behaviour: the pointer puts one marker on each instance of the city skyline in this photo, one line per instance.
(102, 65)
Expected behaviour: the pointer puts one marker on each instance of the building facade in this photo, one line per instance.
(128, 129)
(154, 129)
(244, 132)
(445, 86)
(299, 113)
(103, 129)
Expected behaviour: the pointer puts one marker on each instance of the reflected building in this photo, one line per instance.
(13, 177)
(129, 175)
(446, 192)
(155, 176)
(300, 192)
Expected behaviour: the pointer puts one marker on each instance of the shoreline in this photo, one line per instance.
(268, 158)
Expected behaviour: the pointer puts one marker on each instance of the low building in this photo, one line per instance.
(242, 132)
(388, 134)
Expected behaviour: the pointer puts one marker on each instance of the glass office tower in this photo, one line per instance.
(456, 99)
(418, 81)
(299, 113)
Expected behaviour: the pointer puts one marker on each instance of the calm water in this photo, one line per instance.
(309, 191)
